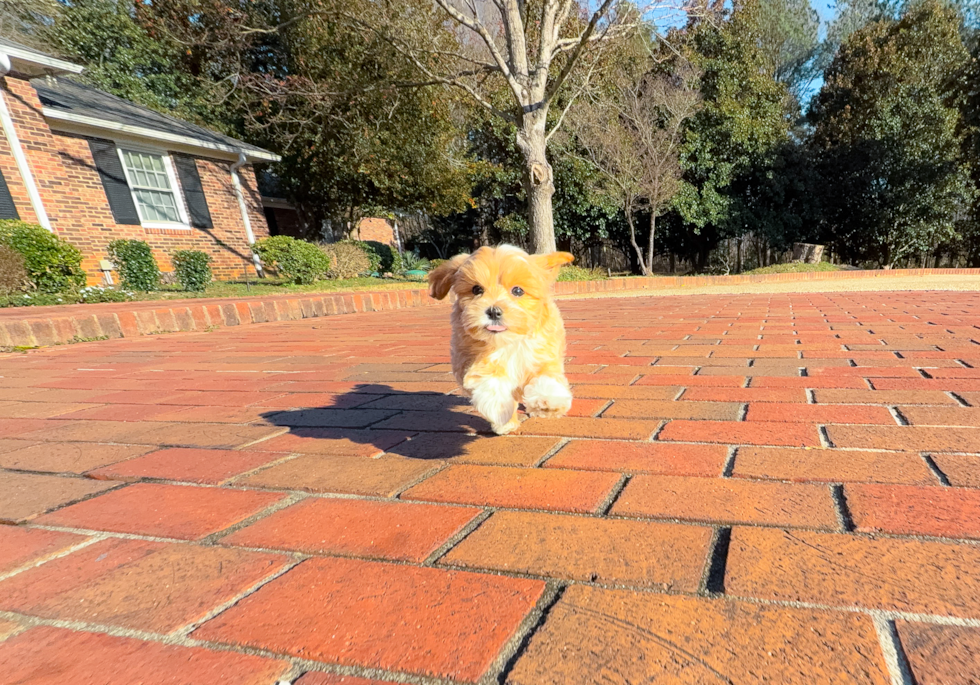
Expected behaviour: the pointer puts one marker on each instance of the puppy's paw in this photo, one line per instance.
(494, 400)
(509, 427)
(547, 397)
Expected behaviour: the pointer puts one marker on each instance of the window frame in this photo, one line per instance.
(175, 189)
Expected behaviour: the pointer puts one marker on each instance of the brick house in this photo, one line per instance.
(283, 219)
(92, 168)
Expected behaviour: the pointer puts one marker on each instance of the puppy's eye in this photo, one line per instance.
(477, 290)
(517, 291)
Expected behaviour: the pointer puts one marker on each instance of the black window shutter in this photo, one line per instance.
(114, 181)
(190, 183)
(8, 210)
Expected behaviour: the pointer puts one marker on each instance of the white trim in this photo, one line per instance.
(165, 225)
(40, 59)
(175, 189)
(10, 131)
(142, 132)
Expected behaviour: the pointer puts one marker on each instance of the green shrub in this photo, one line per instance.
(97, 293)
(297, 260)
(193, 269)
(37, 299)
(374, 257)
(13, 273)
(348, 259)
(411, 261)
(88, 294)
(134, 260)
(579, 273)
(52, 264)
(385, 260)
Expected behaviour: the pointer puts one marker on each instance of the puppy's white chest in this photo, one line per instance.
(519, 360)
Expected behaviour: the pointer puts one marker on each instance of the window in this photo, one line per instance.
(152, 184)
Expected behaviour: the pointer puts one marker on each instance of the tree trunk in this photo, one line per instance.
(639, 252)
(653, 231)
(539, 182)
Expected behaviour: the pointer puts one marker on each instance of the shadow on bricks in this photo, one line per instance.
(417, 425)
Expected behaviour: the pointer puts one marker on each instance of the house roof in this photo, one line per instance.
(71, 102)
(30, 62)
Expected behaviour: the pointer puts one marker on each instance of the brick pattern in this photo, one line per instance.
(744, 495)
(75, 200)
(54, 325)
(374, 228)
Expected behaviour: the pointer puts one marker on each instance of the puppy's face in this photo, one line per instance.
(501, 292)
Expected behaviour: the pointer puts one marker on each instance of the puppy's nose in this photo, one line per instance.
(494, 312)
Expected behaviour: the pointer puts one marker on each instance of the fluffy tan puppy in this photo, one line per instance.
(508, 341)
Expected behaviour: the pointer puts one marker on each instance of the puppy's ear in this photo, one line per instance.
(553, 261)
(441, 278)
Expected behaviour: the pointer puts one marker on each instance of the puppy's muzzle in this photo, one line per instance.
(495, 315)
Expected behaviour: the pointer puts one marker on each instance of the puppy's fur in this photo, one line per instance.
(508, 341)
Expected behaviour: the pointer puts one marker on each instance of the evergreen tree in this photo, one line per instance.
(743, 120)
(887, 138)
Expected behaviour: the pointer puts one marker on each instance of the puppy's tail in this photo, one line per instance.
(442, 278)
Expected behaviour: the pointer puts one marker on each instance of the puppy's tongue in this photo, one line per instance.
(496, 329)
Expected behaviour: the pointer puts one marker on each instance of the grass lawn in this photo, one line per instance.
(794, 268)
(272, 286)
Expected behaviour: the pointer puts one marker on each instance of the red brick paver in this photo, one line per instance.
(136, 584)
(727, 500)
(629, 552)
(652, 639)
(419, 620)
(902, 509)
(749, 488)
(54, 656)
(171, 511)
(20, 546)
(387, 530)
(518, 488)
(941, 655)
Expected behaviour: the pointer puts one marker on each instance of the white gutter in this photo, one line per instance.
(237, 183)
(42, 60)
(152, 134)
(22, 166)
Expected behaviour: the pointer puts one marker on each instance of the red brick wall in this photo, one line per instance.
(76, 204)
(373, 228)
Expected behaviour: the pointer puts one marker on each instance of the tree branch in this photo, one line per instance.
(571, 101)
(479, 29)
(577, 52)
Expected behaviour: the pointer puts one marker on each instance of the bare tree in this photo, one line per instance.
(513, 57)
(632, 133)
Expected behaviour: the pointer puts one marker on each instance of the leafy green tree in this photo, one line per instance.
(122, 57)
(328, 94)
(788, 38)
(743, 121)
(887, 138)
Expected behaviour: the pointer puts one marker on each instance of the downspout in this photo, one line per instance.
(237, 183)
(22, 166)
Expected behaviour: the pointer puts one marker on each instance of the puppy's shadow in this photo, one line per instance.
(417, 425)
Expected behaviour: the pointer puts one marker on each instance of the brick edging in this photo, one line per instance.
(30, 327)
(665, 282)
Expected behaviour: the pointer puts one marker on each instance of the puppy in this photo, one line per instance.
(508, 341)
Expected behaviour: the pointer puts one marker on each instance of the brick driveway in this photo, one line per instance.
(752, 489)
